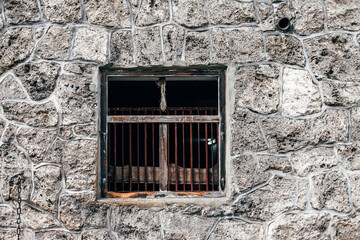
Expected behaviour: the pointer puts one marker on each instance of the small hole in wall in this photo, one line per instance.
(284, 24)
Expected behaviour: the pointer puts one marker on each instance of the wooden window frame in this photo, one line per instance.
(188, 74)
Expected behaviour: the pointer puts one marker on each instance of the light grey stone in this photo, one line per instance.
(271, 16)
(191, 13)
(36, 142)
(257, 88)
(55, 152)
(78, 156)
(9, 133)
(235, 229)
(330, 191)
(39, 32)
(284, 134)
(35, 219)
(311, 160)
(285, 49)
(300, 95)
(331, 126)
(62, 11)
(355, 123)
(309, 16)
(174, 38)
(34, 115)
(300, 226)
(86, 130)
(97, 235)
(148, 46)
(302, 190)
(55, 234)
(39, 79)
(81, 210)
(16, 44)
(2, 126)
(55, 44)
(243, 44)
(7, 217)
(341, 94)
(11, 89)
(121, 48)
(347, 227)
(77, 96)
(108, 13)
(153, 12)
(18, 11)
(269, 164)
(354, 181)
(10, 234)
(246, 133)
(334, 56)
(80, 68)
(90, 44)
(231, 12)
(47, 186)
(244, 172)
(268, 201)
(197, 47)
(343, 14)
(349, 156)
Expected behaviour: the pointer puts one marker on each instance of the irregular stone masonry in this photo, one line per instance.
(292, 109)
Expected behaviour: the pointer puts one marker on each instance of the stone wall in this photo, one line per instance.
(293, 115)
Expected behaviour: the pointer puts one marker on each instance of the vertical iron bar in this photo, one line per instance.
(217, 153)
(183, 148)
(206, 156)
(212, 157)
(145, 147)
(107, 163)
(122, 156)
(163, 155)
(168, 157)
(115, 158)
(130, 159)
(199, 157)
(138, 153)
(176, 159)
(153, 153)
(191, 157)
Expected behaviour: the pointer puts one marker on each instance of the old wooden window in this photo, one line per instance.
(163, 132)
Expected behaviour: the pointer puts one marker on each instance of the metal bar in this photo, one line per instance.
(162, 156)
(218, 152)
(122, 155)
(176, 159)
(168, 156)
(130, 158)
(206, 157)
(168, 109)
(115, 158)
(191, 157)
(153, 153)
(108, 154)
(212, 157)
(199, 157)
(145, 152)
(183, 148)
(138, 153)
(163, 118)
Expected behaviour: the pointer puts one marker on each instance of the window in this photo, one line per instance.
(162, 133)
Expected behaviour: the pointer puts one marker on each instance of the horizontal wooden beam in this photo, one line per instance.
(163, 119)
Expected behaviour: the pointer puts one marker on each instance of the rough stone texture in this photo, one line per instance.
(235, 229)
(39, 79)
(1, 23)
(270, 15)
(148, 46)
(349, 156)
(9, 133)
(90, 44)
(16, 44)
(237, 45)
(86, 130)
(80, 69)
(62, 11)
(47, 187)
(266, 202)
(97, 235)
(78, 155)
(231, 12)
(334, 56)
(300, 226)
(36, 219)
(343, 14)
(354, 181)
(330, 127)
(121, 47)
(55, 152)
(345, 227)
(341, 94)
(246, 133)
(300, 95)
(257, 88)
(7, 217)
(55, 234)
(285, 49)
(190, 13)
(11, 89)
(55, 44)
(197, 47)
(10, 234)
(329, 191)
(153, 12)
(35, 115)
(77, 96)
(284, 134)
(35, 142)
(355, 124)
(311, 160)
(81, 210)
(309, 16)
(18, 11)
(108, 13)
(302, 187)
(174, 38)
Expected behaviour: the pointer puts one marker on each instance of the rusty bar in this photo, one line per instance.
(217, 153)
(183, 150)
(145, 154)
(176, 158)
(107, 162)
(162, 156)
(122, 155)
(115, 158)
(138, 153)
(153, 153)
(163, 118)
(130, 158)
(212, 157)
(206, 156)
(199, 158)
(191, 157)
(168, 156)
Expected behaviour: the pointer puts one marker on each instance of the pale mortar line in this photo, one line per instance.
(2, 7)
(162, 45)
(326, 29)
(40, 11)
(83, 12)
(349, 190)
(72, 41)
(212, 229)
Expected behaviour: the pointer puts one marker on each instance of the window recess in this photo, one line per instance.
(164, 134)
